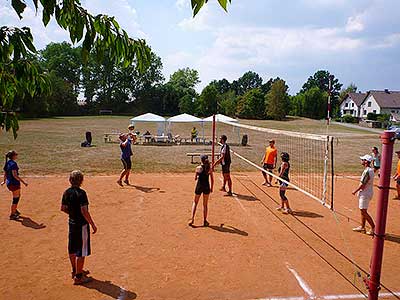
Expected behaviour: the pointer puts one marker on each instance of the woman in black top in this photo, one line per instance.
(203, 173)
(284, 174)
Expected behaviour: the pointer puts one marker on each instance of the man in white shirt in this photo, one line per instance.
(365, 192)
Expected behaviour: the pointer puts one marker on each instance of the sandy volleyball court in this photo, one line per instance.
(145, 250)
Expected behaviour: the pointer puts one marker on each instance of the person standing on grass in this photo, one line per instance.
(193, 134)
(203, 174)
(269, 162)
(376, 159)
(13, 181)
(225, 161)
(126, 153)
(75, 203)
(365, 192)
(284, 174)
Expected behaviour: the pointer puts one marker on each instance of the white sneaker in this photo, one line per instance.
(359, 229)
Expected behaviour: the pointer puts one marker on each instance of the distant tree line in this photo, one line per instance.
(122, 88)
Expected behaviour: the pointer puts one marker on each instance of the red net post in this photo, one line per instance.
(381, 213)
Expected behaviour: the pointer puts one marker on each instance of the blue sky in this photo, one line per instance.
(357, 40)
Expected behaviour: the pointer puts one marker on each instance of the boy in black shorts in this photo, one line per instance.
(225, 161)
(75, 204)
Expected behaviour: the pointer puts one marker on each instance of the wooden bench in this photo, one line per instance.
(192, 155)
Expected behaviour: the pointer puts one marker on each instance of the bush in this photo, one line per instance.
(349, 119)
(372, 116)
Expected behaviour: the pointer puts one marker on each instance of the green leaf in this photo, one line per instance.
(223, 3)
(196, 6)
(19, 7)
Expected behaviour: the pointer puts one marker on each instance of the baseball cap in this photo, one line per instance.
(366, 157)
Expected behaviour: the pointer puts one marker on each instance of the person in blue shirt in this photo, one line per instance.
(126, 153)
(13, 182)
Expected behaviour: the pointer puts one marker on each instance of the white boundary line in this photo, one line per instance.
(330, 297)
(306, 288)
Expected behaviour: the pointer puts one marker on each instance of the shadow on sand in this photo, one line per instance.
(392, 238)
(306, 214)
(145, 189)
(228, 229)
(110, 289)
(28, 222)
(245, 197)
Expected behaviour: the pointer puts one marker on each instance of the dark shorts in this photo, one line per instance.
(398, 181)
(13, 188)
(226, 169)
(127, 163)
(268, 167)
(79, 240)
(376, 168)
(202, 189)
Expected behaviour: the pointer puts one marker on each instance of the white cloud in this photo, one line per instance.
(182, 4)
(201, 22)
(355, 24)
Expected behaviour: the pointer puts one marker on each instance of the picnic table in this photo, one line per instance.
(195, 154)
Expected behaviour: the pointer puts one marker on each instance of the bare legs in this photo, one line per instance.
(125, 173)
(284, 200)
(365, 217)
(15, 194)
(227, 179)
(205, 208)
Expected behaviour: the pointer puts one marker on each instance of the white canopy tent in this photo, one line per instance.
(220, 118)
(149, 117)
(186, 118)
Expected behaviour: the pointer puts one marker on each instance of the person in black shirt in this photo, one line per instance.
(203, 173)
(284, 174)
(75, 204)
(225, 161)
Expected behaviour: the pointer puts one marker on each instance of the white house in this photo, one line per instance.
(380, 102)
(351, 104)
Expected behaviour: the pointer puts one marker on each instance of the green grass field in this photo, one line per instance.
(52, 146)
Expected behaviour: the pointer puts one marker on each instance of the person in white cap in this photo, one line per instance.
(365, 192)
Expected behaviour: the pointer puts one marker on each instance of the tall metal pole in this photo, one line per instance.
(213, 141)
(381, 213)
(328, 118)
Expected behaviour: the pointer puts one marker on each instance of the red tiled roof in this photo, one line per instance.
(358, 98)
(386, 99)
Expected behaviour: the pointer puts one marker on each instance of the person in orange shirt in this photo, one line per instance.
(269, 162)
(397, 176)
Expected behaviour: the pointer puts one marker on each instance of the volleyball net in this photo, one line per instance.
(311, 156)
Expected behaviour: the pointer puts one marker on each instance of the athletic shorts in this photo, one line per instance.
(205, 190)
(226, 168)
(376, 168)
(268, 167)
(363, 202)
(13, 187)
(127, 163)
(283, 184)
(79, 240)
